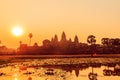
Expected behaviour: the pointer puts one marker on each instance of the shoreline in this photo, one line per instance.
(62, 56)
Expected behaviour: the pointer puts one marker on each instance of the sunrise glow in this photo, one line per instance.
(44, 18)
(17, 31)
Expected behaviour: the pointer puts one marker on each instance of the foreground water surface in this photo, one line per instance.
(59, 69)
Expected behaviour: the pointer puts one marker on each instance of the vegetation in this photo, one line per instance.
(64, 46)
(30, 36)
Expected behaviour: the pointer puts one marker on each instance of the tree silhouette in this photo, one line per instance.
(30, 36)
(117, 41)
(91, 39)
(114, 42)
(105, 41)
(20, 42)
(111, 41)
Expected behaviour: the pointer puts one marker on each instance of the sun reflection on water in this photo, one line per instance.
(15, 75)
(15, 78)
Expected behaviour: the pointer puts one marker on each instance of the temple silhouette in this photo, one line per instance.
(65, 46)
(51, 46)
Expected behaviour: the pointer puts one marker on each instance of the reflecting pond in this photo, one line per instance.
(47, 69)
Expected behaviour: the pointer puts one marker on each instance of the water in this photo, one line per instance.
(56, 69)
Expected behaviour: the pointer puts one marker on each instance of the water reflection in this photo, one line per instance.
(82, 71)
(15, 78)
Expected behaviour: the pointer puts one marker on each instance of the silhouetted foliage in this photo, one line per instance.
(91, 39)
(64, 46)
(30, 36)
(105, 41)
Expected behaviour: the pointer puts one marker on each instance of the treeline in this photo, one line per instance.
(64, 46)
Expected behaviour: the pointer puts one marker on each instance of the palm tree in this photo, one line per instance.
(30, 36)
(20, 42)
(91, 39)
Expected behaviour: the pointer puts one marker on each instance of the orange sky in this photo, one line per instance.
(44, 18)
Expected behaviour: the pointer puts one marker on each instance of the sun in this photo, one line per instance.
(17, 31)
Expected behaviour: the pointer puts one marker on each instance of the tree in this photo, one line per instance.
(20, 42)
(111, 41)
(114, 42)
(105, 41)
(91, 39)
(117, 41)
(30, 36)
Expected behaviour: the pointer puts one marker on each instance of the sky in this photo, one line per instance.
(45, 18)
